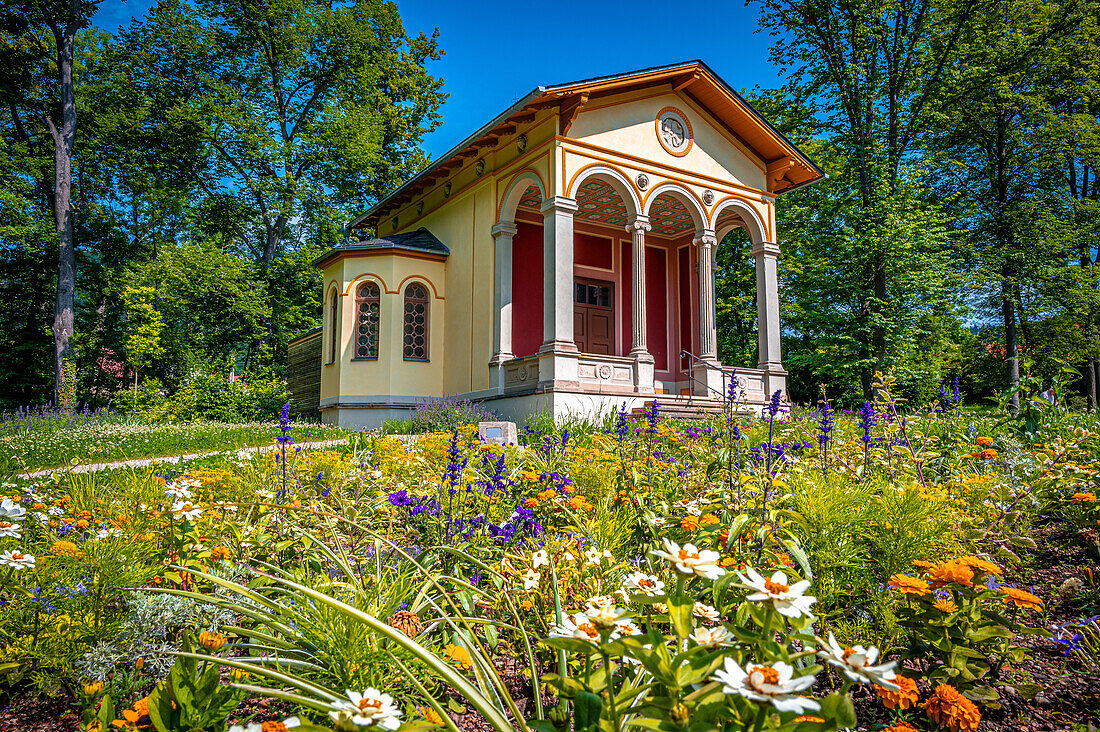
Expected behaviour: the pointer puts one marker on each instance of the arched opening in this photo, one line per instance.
(672, 286)
(417, 312)
(368, 303)
(333, 325)
(737, 228)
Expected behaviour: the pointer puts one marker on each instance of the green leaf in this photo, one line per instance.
(586, 711)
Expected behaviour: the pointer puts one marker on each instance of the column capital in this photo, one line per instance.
(706, 238)
(640, 223)
(765, 248)
(504, 228)
(557, 204)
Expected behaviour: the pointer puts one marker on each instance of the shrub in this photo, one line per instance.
(442, 414)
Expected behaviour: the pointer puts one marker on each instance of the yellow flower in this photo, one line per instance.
(430, 715)
(908, 585)
(212, 641)
(945, 606)
(1085, 497)
(531, 503)
(981, 565)
(65, 549)
(1023, 599)
(984, 441)
(951, 710)
(458, 655)
(905, 697)
(92, 688)
(689, 523)
(708, 519)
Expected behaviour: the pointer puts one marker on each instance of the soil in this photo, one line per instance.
(1069, 699)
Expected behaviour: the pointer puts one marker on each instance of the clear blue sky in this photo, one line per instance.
(497, 52)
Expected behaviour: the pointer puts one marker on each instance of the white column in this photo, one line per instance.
(766, 255)
(708, 340)
(557, 274)
(643, 360)
(502, 321)
(637, 230)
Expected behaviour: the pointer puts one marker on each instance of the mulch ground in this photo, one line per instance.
(1069, 699)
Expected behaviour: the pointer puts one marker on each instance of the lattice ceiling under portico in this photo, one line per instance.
(599, 203)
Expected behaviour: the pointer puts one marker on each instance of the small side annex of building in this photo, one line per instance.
(561, 258)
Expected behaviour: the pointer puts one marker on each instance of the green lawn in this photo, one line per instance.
(61, 443)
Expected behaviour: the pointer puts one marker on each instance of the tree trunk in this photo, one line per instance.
(64, 316)
(1090, 373)
(1012, 348)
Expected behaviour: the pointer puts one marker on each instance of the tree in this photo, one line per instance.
(39, 44)
(870, 70)
(144, 328)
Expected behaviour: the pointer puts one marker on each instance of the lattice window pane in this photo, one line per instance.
(415, 337)
(368, 311)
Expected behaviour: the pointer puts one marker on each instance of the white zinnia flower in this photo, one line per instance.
(531, 580)
(592, 556)
(11, 510)
(288, 723)
(601, 601)
(704, 611)
(712, 638)
(177, 492)
(640, 583)
(627, 628)
(185, 510)
(540, 559)
(17, 560)
(767, 684)
(690, 560)
(8, 530)
(605, 616)
(787, 600)
(858, 663)
(576, 625)
(371, 708)
(55, 511)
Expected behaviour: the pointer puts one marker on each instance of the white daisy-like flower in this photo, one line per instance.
(788, 600)
(40, 517)
(688, 559)
(768, 685)
(712, 638)
(185, 510)
(11, 510)
(640, 583)
(858, 663)
(540, 559)
(593, 556)
(704, 611)
(17, 560)
(605, 616)
(176, 491)
(189, 483)
(371, 708)
(568, 556)
(601, 601)
(8, 530)
(576, 625)
(106, 532)
(531, 580)
(627, 628)
(55, 511)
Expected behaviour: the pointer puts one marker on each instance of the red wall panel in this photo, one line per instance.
(656, 306)
(684, 272)
(626, 288)
(592, 251)
(526, 289)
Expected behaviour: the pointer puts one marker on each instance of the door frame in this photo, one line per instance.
(612, 307)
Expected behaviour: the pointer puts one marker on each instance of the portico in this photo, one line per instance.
(582, 227)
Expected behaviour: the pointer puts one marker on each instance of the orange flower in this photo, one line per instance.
(901, 726)
(984, 441)
(785, 559)
(951, 710)
(921, 564)
(908, 585)
(981, 565)
(905, 697)
(65, 549)
(82, 524)
(809, 718)
(708, 519)
(955, 571)
(531, 503)
(689, 523)
(1020, 598)
(945, 605)
(428, 714)
(1086, 497)
(458, 655)
(546, 495)
(212, 641)
(220, 553)
(989, 454)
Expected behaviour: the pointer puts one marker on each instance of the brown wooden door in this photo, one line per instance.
(594, 316)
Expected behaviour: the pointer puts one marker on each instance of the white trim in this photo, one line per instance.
(753, 224)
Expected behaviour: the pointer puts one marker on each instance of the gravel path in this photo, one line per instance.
(144, 462)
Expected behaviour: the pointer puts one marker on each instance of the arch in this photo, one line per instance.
(693, 205)
(612, 177)
(519, 185)
(752, 222)
(333, 324)
(423, 280)
(368, 317)
(368, 276)
(416, 322)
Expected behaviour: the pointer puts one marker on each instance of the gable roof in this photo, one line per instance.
(420, 240)
(788, 167)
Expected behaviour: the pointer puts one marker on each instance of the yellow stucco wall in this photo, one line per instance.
(389, 373)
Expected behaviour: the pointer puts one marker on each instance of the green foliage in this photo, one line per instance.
(193, 697)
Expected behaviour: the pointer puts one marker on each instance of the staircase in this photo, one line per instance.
(670, 406)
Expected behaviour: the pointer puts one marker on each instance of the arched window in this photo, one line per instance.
(416, 322)
(333, 325)
(367, 306)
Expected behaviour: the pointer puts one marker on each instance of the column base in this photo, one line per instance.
(643, 372)
(558, 367)
(709, 380)
(496, 371)
(775, 378)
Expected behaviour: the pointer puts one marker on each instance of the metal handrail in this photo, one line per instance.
(692, 360)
